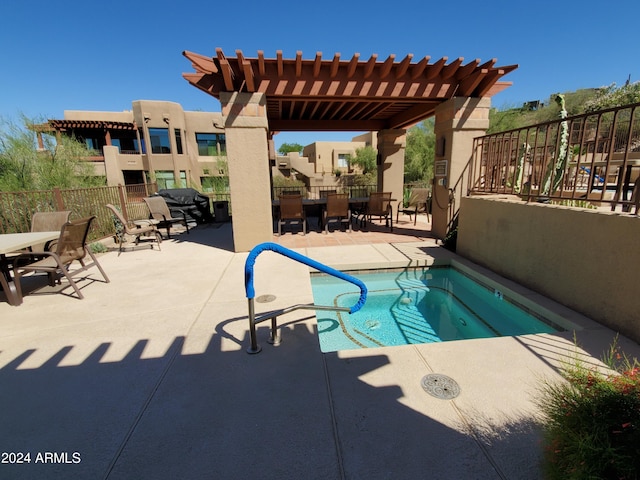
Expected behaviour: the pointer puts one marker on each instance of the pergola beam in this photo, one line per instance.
(350, 94)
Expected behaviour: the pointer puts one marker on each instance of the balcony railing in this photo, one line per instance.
(590, 158)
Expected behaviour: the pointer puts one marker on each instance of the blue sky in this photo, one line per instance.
(86, 55)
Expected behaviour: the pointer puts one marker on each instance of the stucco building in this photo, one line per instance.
(154, 141)
(159, 141)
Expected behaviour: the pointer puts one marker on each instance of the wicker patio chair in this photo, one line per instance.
(148, 232)
(337, 210)
(291, 211)
(159, 210)
(71, 247)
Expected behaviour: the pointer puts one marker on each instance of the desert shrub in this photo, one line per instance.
(592, 421)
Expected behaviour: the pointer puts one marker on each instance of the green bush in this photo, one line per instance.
(98, 247)
(592, 421)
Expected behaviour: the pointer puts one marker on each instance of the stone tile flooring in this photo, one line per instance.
(375, 232)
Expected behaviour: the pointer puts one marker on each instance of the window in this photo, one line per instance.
(143, 144)
(215, 184)
(343, 160)
(211, 144)
(178, 141)
(159, 140)
(92, 144)
(166, 179)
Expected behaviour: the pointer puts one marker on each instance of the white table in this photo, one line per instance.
(13, 242)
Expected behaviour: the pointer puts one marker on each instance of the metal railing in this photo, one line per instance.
(317, 192)
(588, 158)
(273, 316)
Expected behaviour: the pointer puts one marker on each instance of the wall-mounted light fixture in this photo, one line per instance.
(147, 117)
(165, 117)
(217, 125)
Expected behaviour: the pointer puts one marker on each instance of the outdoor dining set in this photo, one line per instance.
(292, 208)
(56, 241)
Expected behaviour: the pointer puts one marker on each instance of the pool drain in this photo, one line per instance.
(265, 298)
(440, 386)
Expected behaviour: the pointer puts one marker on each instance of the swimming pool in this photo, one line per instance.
(419, 305)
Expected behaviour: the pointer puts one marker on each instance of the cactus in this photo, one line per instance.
(563, 152)
(526, 151)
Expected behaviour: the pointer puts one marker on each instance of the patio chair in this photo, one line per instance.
(635, 196)
(148, 232)
(419, 198)
(379, 205)
(71, 247)
(337, 210)
(326, 193)
(359, 209)
(48, 222)
(159, 210)
(291, 211)
(43, 222)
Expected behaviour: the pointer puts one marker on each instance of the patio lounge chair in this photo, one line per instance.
(159, 210)
(291, 211)
(147, 232)
(337, 210)
(418, 199)
(71, 247)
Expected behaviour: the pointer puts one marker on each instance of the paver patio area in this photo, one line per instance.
(148, 378)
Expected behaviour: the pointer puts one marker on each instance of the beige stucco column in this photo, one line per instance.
(112, 169)
(245, 121)
(458, 121)
(391, 147)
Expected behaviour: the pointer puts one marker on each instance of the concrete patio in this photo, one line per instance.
(148, 378)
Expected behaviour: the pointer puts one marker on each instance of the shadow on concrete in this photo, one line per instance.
(216, 235)
(289, 412)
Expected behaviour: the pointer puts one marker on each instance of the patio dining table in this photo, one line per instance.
(13, 242)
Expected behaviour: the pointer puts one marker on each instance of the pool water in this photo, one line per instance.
(418, 306)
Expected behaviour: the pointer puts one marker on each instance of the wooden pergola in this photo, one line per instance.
(346, 95)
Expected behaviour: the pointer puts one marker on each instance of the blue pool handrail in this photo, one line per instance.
(250, 290)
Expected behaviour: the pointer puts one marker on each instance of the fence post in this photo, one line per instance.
(57, 197)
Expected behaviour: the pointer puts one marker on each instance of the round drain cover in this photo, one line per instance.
(265, 298)
(440, 386)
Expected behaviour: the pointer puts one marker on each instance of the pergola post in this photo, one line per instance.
(391, 147)
(246, 127)
(458, 121)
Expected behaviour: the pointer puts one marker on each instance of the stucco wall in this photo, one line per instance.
(325, 154)
(585, 259)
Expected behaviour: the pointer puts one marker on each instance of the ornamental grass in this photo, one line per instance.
(591, 422)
